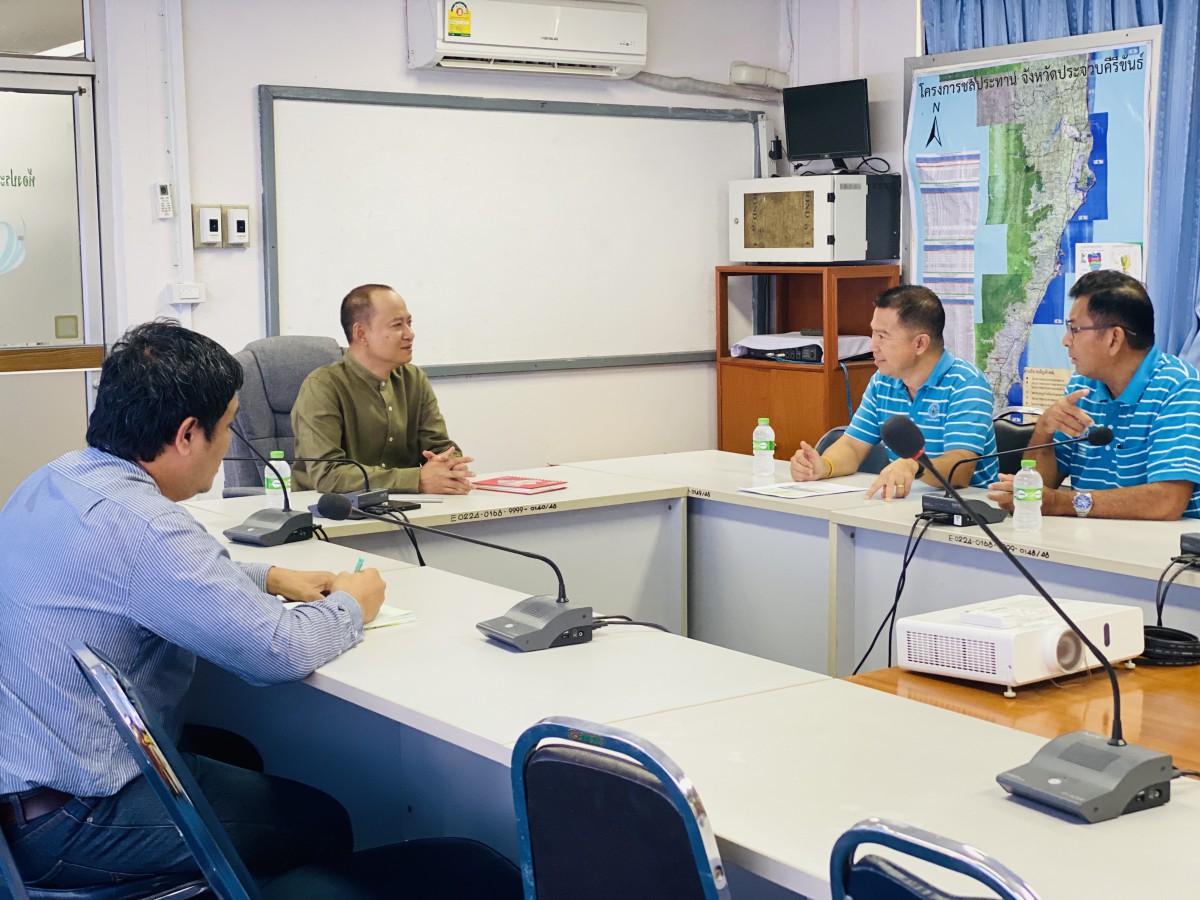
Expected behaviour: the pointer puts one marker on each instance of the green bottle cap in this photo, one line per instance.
(764, 421)
(276, 454)
(1028, 463)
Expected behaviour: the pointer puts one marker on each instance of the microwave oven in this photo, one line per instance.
(815, 219)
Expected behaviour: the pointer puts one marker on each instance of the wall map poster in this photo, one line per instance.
(1022, 174)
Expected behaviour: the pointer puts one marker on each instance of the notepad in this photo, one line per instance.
(802, 490)
(387, 615)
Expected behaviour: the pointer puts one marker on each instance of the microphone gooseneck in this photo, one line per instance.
(904, 438)
(287, 506)
(1099, 436)
(338, 506)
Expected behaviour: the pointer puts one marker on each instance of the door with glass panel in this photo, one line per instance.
(51, 317)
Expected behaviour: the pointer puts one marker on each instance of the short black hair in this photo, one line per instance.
(357, 306)
(1117, 299)
(155, 376)
(917, 307)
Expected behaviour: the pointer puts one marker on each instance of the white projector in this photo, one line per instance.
(1016, 640)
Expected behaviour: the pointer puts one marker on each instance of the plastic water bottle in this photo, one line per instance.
(764, 448)
(1027, 497)
(274, 489)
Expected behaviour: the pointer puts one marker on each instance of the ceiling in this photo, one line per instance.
(35, 26)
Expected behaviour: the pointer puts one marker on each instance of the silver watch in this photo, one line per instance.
(1082, 501)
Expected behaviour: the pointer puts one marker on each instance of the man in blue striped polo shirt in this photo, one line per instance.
(948, 398)
(1150, 400)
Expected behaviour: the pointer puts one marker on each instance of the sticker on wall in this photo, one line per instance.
(458, 22)
(12, 245)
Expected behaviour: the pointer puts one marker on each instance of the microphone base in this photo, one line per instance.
(944, 505)
(272, 527)
(368, 499)
(539, 623)
(1082, 775)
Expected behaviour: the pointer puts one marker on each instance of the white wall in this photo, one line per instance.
(230, 47)
(843, 39)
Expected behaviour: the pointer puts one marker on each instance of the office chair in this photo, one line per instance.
(875, 460)
(274, 368)
(875, 878)
(602, 813)
(1014, 435)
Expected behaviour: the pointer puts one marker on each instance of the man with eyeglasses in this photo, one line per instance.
(1150, 399)
(948, 398)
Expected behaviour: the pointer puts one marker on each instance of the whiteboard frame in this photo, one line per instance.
(1082, 43)
(269, 93)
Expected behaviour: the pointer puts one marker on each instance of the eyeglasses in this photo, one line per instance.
(1073, 330)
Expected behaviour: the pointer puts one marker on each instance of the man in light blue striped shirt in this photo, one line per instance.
(948, 399)
(97, 548)
(1150, 400)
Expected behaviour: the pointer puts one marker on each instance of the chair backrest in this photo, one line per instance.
(875, 460)
(273, 368)
(602, 813)
(1013, 435)
(11, 885)
(168, 777)
(882, 879)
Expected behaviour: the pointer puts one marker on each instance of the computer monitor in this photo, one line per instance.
(827, 121)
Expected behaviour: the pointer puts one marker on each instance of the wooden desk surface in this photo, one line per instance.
(1160, 706)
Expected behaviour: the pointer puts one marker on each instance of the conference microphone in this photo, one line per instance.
(360, 500)
(1080, 773)
(536, 623)
(945, 505)
(271, 527)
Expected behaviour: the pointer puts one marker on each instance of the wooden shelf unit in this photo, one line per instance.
(803, 400)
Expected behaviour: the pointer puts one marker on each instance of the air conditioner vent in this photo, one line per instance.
(518, 65)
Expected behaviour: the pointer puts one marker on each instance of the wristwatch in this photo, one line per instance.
(1082, 501)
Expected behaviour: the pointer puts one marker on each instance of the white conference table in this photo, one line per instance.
(412, 729)
(783, 773)
(808, 581)
(619, 541)
(759, 568)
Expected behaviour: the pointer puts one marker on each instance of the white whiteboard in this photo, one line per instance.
(551, 231)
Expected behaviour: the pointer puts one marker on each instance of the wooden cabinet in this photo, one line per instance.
(803, 400)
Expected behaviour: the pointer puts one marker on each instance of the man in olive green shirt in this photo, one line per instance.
(373, 405)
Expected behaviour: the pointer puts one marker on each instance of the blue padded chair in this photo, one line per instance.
(602, 813)
(875, 878)
(169, 778)
(875, 460)
(273, 369)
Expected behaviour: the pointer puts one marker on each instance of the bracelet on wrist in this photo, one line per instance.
(828, 462)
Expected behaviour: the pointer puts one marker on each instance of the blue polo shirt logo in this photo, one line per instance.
(935, 409)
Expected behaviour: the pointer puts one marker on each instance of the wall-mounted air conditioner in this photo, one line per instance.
(572, 37)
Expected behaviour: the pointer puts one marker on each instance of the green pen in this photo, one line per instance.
(358, 565)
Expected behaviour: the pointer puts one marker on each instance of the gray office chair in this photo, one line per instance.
(875, 460)
(875, 878)
(1014, 427)
(274, 369)
(602, 813)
